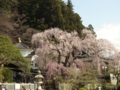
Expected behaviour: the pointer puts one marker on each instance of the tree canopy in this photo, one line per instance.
(9, 53)
(40, 15)
(45, 14)
(57, 50)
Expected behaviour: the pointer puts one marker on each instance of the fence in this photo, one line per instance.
(17, 86)
(33, 86)
(65, 86)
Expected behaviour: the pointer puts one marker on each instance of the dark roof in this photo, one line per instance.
(30, 55)
(13, 67)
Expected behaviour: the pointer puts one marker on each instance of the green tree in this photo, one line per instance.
(89, 75)
(90, 27)
(78, 26)
(69, 5)
(69, 17)
(42, 14)
(80, 78)
(10, 54)
(72, 20)
(7, 73)
(45, 14)
(6, 6)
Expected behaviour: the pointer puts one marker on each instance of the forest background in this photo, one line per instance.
(23, 18)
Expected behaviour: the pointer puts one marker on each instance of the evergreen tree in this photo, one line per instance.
(72, 20)
(7, 73)
(90, 27)
(6, 6)
(69, 5)
(43, 14)
(9, 53)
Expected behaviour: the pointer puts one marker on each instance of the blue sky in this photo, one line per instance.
(104, 15)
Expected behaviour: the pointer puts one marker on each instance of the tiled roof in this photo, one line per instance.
(20, 46)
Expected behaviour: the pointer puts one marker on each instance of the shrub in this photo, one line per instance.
(83, 88)
(7, 73)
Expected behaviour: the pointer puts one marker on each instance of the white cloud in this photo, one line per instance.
(110, 32)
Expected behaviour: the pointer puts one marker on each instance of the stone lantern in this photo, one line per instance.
(39, 80)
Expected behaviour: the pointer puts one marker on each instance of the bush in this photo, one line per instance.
(49, 85)
(83, 88)
(7, 73)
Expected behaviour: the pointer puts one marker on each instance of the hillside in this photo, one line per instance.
(23, 18)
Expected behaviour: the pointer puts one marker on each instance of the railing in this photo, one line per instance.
(32, 86)
(64, 86)
(17, 86)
